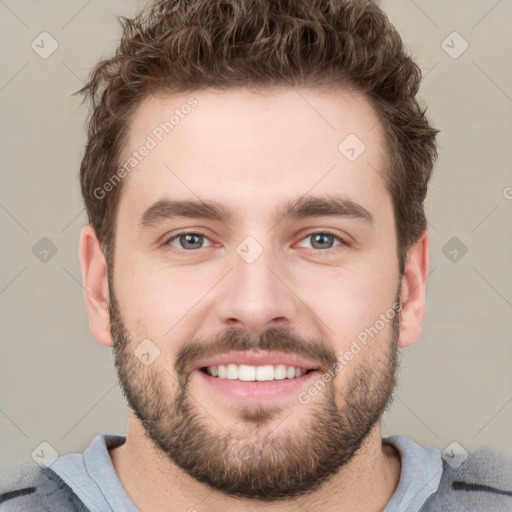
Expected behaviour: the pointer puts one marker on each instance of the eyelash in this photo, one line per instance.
(185, 251)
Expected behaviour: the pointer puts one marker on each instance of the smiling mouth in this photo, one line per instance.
(250, 373)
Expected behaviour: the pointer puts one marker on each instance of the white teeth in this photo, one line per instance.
(280, 372)
(247, 372)
(231, 371)
(265, 372)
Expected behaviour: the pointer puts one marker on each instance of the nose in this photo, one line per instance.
(256, 295)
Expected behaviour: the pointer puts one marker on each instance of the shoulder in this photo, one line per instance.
(483, 481)
(30, 488)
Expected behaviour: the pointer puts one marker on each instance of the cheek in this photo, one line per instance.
(349, 299)
(366, 338)
(161, 303)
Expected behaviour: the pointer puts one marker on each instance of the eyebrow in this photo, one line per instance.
(300, 208)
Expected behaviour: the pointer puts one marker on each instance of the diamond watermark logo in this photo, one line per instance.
(44, 45)
(351, 147)
(44, 250)
(42, 452)
(454, 454)
(454, 45)
(147, 352)
(249, 249)
(454, 249)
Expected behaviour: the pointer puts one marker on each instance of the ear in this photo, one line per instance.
(95, 283)
(414, 283)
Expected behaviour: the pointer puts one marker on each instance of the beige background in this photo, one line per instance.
(58, 385)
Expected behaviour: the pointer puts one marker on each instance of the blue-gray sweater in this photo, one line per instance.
(87, 482)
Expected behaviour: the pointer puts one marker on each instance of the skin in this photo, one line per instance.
(252, 152)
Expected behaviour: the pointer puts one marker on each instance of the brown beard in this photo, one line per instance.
(260, 464)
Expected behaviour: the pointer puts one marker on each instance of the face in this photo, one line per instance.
(283, 256)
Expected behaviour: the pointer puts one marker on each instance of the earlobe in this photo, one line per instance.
(414, 284)
(95, 283)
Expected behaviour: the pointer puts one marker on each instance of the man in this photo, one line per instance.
(256, 254)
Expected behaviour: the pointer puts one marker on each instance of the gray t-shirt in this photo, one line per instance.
(91, 475)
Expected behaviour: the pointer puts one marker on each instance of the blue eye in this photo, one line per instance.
(191, 241)
(322, 240)
(188, 241)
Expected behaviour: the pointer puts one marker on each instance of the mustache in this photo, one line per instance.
(278, 339)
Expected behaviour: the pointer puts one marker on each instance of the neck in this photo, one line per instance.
(155, 484)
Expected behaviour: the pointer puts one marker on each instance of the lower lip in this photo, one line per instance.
(257, 390)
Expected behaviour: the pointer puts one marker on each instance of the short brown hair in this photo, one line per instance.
(177, 46)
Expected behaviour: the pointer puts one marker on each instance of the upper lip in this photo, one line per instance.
(256, 359)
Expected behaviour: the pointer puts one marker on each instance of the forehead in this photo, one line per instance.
(250, 149)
